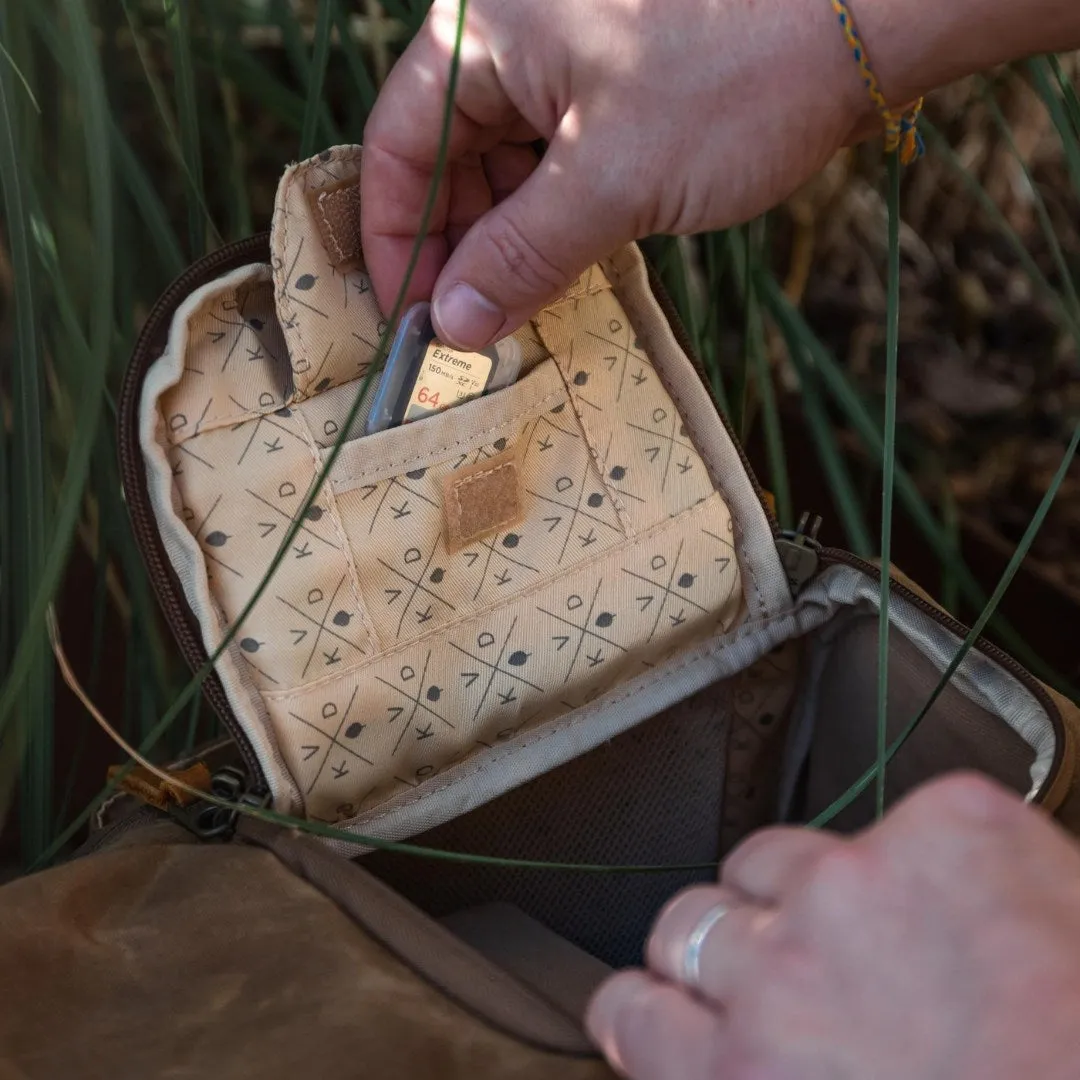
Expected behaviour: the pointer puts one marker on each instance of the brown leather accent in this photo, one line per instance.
(154, 791)
(336, 210)
(1063, 795)
(186, 959)
(482, 498)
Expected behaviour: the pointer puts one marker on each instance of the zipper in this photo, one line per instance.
(802, 556)
(800, 552)
(839, 557)
(210, 821)
(148, 348)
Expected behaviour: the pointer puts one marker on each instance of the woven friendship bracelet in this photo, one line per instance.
(901, 129)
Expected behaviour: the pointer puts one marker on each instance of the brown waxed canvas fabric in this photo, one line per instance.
(164, 958)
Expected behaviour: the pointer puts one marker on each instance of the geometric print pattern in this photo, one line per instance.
(381, 657)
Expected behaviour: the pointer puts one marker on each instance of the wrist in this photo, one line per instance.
(917, 46)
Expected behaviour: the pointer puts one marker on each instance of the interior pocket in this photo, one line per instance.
(393, 492)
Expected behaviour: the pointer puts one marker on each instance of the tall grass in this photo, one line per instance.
(134, 137)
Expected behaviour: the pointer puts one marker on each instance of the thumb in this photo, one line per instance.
(526, 250)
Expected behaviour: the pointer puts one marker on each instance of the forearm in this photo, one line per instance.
(918, 45)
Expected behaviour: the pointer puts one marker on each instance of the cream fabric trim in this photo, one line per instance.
(642, 468)
(468, 786)
(181, 546)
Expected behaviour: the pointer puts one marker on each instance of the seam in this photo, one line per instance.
(343, 538)
(575, 718)
(453, 494)
(445, 629)
(630, 307)
(478, 438)
(300, 380)
(617, 500)
(320, 203)
(277, 254)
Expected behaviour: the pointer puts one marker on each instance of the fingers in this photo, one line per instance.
(528, 249)
(650, 1030)
(401, 150)
(710, 939)
(772, 862)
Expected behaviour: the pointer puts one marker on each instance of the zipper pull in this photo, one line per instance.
(207, 820)
(800, 552)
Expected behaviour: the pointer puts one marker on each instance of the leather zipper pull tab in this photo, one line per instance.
(800, 552)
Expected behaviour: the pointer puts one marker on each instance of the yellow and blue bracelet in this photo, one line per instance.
(901, 129)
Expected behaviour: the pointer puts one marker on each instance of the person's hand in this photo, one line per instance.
(661, 116)
(942, 943)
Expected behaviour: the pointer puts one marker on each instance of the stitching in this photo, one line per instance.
(616, 499)
(352, 155)
(454, 495)
(480, 613)
(320, 205)
(343, 538)
(577, 717)
(630, 307)
(471, 441)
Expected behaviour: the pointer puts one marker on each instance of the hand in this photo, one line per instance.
(661, 116)
(942, 943)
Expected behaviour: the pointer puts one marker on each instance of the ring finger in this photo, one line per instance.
(710, 939)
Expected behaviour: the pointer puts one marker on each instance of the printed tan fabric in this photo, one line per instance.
(386, 648)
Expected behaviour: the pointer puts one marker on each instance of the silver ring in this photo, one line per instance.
(696, 942)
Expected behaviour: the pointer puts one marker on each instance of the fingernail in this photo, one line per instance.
(466, 318)
(605, 1011)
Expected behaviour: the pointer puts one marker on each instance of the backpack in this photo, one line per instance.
(558, 624)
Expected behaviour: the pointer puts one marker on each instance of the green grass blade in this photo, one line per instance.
(1068, 92)
(844, 801)
(1039, 204)
(178, 26)
(844, 492)
(31, 738)
(836, 383)
(320, 56)
(146, 200)
(1049, 88)
(292, 35)
(20, 76)
(361, 76)
(888, 468)
(52, 551)
(942, 149)
(194, 685)
(716, 264)
(757, 357)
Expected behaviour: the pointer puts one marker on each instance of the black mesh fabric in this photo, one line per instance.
(653, 795)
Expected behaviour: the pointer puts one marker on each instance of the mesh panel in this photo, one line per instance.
(652, 795)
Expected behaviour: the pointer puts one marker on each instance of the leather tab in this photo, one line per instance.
(482, 499)
(151, 789)
(336, 211)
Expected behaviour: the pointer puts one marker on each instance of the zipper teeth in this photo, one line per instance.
(133, 477)
(837, 556)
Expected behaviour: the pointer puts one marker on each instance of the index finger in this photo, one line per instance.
(401, 150)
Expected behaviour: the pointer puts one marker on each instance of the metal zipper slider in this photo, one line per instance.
(800, 552)
(207, 820)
